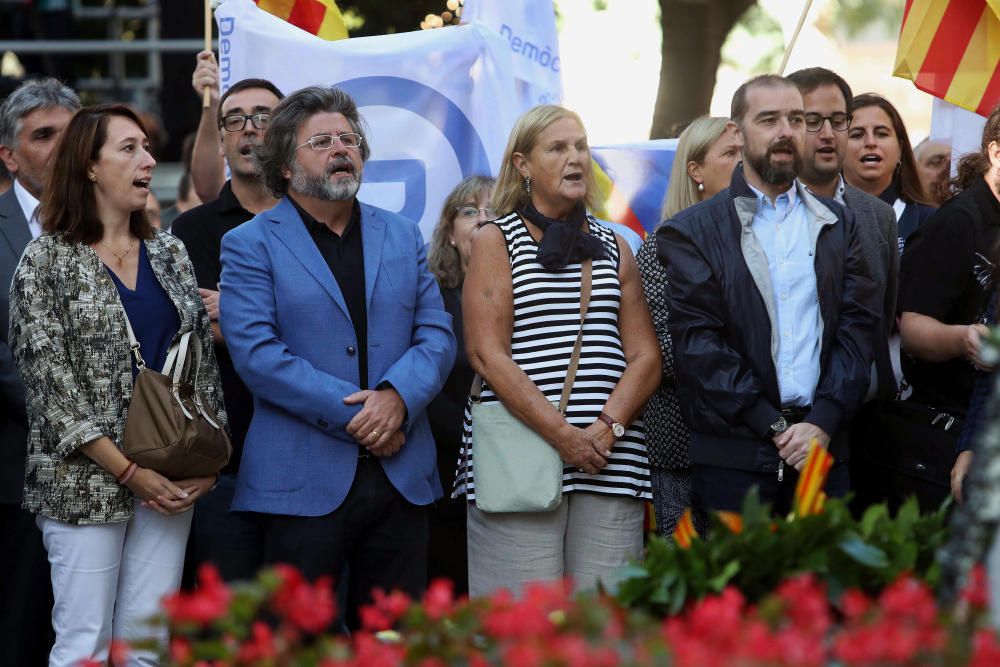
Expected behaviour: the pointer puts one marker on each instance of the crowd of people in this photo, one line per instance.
(814, 282)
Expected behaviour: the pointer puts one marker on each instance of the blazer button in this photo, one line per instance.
(351, 351)
(322, 423)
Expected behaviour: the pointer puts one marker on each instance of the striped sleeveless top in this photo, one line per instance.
(546, 322)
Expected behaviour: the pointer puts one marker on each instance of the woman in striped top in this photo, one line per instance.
(522, 315)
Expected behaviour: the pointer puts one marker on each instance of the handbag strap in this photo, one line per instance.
(133, 344)
(586, 280)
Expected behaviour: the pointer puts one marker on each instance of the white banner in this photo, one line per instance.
(439, 103)
(529, 26)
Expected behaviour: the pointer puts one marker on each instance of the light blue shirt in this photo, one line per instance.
(628, 235)
(783, 231)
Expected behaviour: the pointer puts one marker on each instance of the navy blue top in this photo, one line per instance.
(151, 313)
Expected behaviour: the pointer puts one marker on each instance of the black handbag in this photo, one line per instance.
(912, 447)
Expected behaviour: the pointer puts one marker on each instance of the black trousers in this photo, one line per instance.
(376, 533)
(232, 541)
(26, 635)
(718, 489)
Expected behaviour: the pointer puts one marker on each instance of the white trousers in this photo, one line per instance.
(587, 538)
(108, 580)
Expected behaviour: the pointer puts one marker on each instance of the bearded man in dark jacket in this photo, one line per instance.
(772, 314)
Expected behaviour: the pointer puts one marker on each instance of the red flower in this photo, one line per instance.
(384, 611)
(372, 653)
(439, 598)
(118, 654)
(854, 604)
(180, 650)
(309, 607)
(976, 592)
(260, 646)
(207, 603)
(985, 649)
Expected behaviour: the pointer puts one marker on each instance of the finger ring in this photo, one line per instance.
(375, 433)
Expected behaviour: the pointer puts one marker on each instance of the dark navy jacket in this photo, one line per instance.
(722, 314)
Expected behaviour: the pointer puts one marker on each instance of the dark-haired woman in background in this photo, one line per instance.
(114, 532)
(880, 161)
(463, 212)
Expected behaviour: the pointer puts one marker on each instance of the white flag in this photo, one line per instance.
(529, 26)
(439, 103)
(960, 128)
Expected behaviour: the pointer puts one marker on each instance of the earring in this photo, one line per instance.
(701, 187)
(527, 185)
(453, 243)
(92, 176)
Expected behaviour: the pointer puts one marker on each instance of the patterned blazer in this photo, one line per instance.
(67, 331)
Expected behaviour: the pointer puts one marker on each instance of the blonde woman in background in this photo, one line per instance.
(708, 151)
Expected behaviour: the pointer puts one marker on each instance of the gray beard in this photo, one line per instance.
(320, 187)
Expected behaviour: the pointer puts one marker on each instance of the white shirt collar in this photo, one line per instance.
(29, 206)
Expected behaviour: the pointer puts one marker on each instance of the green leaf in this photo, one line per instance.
(719, 581)
(873, 516)
(865, 554)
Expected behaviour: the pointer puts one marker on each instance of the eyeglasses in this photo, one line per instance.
(839, 122)
(237, 121)
(324, 142)
(469, 212)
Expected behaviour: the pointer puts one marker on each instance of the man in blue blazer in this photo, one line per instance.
(337, 327)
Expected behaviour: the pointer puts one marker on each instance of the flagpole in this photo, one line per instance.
(206, 95)
(795, 37)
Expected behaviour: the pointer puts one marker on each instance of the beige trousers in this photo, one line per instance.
(587, 538)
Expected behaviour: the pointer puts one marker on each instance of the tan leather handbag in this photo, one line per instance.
(169, 428)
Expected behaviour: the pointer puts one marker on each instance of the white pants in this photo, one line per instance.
(587, 538)
(108, 580)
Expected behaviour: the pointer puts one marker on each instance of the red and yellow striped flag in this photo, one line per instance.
(951, 49)
(809, 496)
(319, 17)
(685, 532)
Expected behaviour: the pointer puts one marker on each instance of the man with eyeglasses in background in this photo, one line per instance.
(337, 326)
(827, 97)
(229, 540)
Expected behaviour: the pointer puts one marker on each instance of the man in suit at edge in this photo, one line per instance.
(32, 120)
(827, 99)
(338, 329)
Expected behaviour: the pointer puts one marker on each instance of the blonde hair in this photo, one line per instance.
(443, 259)
(693, 146)
(508, 194)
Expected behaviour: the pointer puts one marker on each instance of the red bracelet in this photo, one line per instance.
(129, 471)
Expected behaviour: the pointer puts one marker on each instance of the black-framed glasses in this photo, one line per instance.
(838, 121)
(324, 142)
(237, 121)
(469, 212)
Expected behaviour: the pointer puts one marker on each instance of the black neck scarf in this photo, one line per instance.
(564, 241)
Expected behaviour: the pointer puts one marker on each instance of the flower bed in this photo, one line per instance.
(278, 621)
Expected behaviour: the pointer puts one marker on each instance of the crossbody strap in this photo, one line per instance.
(586, 280)
(133, 344)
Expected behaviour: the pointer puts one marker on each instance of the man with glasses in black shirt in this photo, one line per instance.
(229, 540)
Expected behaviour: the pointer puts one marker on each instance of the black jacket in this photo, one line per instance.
(722, 312)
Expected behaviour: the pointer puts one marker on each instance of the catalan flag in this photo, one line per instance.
(809, 496)
(318, 17)
(685, 532)
(951, 49)
(732, 521)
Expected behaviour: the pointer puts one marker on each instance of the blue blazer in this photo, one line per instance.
(288, 331)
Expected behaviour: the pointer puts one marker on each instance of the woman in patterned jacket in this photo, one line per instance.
(114, 532)
(522, 303)
(707, 153)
